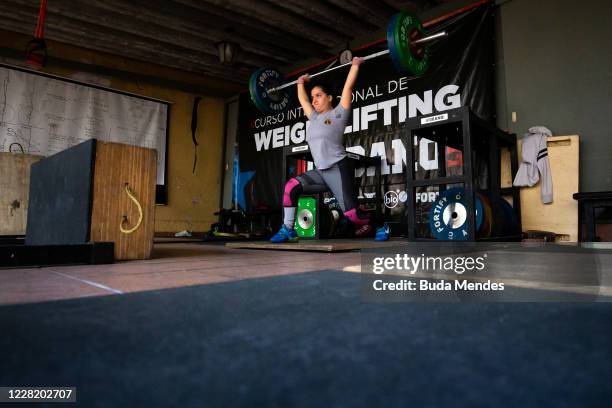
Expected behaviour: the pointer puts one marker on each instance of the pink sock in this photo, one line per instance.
(352, 215)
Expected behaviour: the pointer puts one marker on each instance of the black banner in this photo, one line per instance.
(461, 72)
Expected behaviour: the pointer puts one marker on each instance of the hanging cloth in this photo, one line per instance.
(194, 128)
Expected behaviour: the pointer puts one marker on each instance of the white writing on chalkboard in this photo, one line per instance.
(46, 115)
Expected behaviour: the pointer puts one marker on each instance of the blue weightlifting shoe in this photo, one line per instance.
(284, 235)
(382, 234)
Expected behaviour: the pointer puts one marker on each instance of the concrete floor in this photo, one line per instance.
(172, 265)
(194, 263)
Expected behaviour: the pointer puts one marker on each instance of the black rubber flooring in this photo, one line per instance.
(307, 341)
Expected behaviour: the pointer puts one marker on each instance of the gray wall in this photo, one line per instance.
(554, 68)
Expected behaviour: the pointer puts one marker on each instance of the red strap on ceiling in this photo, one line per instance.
(40, 26)
(36, 50)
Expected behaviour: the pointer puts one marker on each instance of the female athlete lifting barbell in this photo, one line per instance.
(327, 123)
(325, 137)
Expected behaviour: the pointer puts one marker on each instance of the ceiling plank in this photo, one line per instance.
(163, 76)
(124, 48)
(89, 34)
(411, 6)
(263, 14)
(197, 25)
(183, 33)
(197, 39)
(122, 28)
(366, 11)
(330, 15)
(238, 25)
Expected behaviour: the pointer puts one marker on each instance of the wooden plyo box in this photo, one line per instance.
(79, 196)
(14, 191)
(561, 216)
(115, 166)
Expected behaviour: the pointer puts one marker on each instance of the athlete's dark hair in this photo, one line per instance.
(325, 86)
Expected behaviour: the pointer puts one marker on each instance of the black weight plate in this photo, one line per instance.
(271, 102)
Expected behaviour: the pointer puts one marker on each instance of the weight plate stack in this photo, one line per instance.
(448, 215)
(510, 221)
(487, 217)
(306, 220)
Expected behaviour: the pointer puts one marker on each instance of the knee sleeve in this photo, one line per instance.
(293, 189)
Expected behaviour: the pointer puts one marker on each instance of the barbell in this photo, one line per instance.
(406, 41)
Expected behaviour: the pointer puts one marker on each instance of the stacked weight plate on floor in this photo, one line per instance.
(317, 220)
(331, 215)
(306, 219)
(486, 228)
(510, 221)
(448, 215)
(499, 219)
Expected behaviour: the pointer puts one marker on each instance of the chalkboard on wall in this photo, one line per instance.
(45, 114)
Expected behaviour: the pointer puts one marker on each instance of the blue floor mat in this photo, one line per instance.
(307, 340)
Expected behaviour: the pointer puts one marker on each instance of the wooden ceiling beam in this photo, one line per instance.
(121, 29)
(331, 16)
(104, 64)
(206, 28)
(241, 26)
(126, 49)
(260, 16)
(270, 14)
(182, 33)
(156, 29)
(367, 10)
(87, 37)
(411, 6)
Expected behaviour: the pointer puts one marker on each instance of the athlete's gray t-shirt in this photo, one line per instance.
(325, 136)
